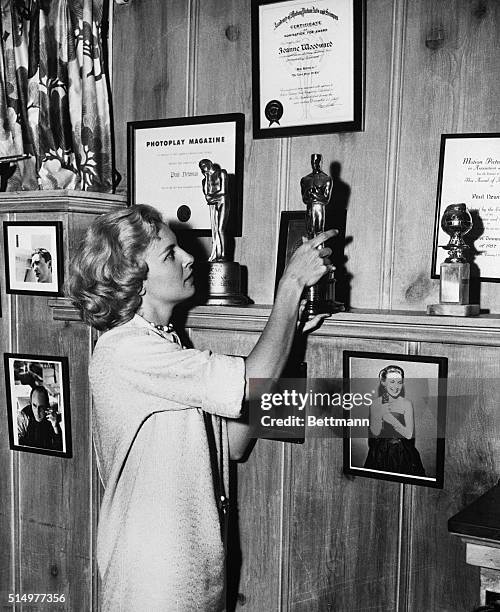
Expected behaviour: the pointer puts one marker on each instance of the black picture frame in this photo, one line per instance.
(459, 182)
(23, 373)
(273, 108)
(28, 236)
(370, 455)
(189, 211)
(292, 229)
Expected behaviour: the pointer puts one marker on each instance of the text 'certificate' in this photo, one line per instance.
(306, 52)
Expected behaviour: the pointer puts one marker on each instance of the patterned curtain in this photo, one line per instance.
(53, 95)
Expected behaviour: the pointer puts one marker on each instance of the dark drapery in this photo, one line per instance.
(53, 94)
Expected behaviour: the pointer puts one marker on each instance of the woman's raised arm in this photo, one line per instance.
(269, 356)
(405, 430)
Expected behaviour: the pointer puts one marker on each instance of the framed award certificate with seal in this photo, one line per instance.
(164, 158)
(469, 174)
(307, 67)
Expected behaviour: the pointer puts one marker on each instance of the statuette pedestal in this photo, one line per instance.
(224, 284)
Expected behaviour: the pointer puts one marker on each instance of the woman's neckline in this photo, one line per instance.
(168, 328)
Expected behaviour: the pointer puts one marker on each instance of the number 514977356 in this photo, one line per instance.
(37, 597)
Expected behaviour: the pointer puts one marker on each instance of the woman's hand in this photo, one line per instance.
(403, 430)
(388, 417)
(311, 324)
(310, 261)
(269, 355)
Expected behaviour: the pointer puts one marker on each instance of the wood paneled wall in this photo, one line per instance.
(305, 537)
(48, 504)
(7, 467)
(315, 540)
(431, 68)
(312, 539)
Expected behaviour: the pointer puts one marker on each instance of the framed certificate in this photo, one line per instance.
(469, 172)
(307, 67)
(163, 166)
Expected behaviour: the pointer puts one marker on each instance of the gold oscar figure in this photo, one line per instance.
(316, 188)
(224, 276)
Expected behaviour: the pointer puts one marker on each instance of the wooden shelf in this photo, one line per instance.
(371, 324)
(61, 200)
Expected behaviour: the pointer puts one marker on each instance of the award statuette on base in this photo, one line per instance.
(316, 190)
(455, 270)
(224, 277)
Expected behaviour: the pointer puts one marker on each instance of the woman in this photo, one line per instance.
(159, 419)
(391, 445)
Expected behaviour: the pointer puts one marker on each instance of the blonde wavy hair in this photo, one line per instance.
(108, 271)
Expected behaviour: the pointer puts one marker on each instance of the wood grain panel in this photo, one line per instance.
(344, 530)
(451, 85)
(223, 59)
(257, 248)
(150, 46)
(54, 553)
(258, 521)
(55, 502)
(439, 578)
(42, 557)
(7, 498)
(50, 529)
(357, 163)
(6, 552)
(259, 505)
(223, 84)
(255, 584)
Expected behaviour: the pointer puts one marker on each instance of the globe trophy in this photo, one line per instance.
(455, 270)
(224, 276)
(316, 188)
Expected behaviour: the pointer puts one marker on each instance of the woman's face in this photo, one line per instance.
(170, 275)
(393, 384)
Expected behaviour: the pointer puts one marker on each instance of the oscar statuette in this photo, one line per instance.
(224, 276)
(316, 188)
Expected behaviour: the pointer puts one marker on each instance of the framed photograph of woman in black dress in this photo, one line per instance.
(405, 439)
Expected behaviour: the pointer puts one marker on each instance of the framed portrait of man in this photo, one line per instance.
(33, 257)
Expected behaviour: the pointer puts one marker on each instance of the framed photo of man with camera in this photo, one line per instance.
(38, 410)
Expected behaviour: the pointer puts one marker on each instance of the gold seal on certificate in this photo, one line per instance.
(455, 270)
(274, 112)
(224, 276)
